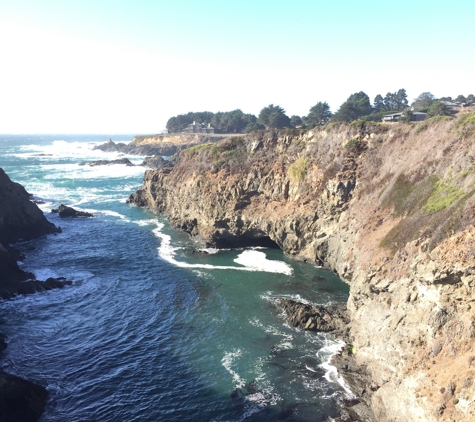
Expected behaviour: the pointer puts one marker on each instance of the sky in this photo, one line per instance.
(127, 66)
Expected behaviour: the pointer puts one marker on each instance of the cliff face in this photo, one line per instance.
(390, 208)
(19, 219)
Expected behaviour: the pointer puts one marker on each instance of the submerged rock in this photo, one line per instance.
(125, 161)
(65, 212)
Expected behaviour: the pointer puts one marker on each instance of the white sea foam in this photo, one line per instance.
(251, 260)
(227, 361)
(331, 348)
(44, 273)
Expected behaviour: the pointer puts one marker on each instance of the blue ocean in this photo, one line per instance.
(150, 329)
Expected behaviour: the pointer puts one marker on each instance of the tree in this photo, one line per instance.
(357, 105)
(378, 103)
(438, 109)
(424, 100)
(296, 121)
(273, 117)
(471, 99)
(254, 126)
(400, 99)
(407, 116)
(461, 99)
(319, 114)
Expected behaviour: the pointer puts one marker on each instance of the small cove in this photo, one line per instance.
(151, 330)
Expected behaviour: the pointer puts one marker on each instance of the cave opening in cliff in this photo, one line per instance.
(248, 242)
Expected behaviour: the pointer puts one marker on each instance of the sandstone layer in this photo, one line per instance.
(389, 208)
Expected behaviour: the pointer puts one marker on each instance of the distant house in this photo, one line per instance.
(163, 131)
(417, 116)
(199, 128)
(451, 105)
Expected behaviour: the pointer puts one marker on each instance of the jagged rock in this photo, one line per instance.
(125, 161)
(111, 146)
(65, 212)
(156, 162)
(19, 217)
(20, 400)
(315, 318)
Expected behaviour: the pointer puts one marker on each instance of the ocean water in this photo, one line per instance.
(150, 330)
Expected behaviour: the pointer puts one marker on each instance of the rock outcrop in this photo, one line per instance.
(124, 161)
(324, 319)
(19, 217)
(389, 208)
(68, 212)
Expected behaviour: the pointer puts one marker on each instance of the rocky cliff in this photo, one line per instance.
(20, 219)
(389, 208)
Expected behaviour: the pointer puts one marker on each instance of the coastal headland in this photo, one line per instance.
(389, 208)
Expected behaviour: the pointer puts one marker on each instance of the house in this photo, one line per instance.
(417, 116)
(451, 105)
(199, 128)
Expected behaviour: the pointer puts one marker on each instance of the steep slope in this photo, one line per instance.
(390, 208)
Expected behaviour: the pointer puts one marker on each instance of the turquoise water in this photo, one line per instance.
(150, 330)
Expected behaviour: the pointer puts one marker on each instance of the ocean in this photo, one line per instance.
(153, 328)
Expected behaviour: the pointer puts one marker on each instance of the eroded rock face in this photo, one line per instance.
(389, 208)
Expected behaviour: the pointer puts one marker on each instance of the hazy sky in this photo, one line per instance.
(123, 66)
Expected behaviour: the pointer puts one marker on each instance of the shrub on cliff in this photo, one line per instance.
(298, 169)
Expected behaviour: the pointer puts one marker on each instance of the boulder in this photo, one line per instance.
(65, 212)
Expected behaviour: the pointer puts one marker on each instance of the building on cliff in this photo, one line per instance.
(393, 118)
(199, 128)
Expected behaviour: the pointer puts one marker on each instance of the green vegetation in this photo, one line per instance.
(356, 106)
(223, 122)
(353, 144)
(298, 169)
(438, 109)
(444, 195)
(406, 197)
(423, 101)
(200, 148)
(318, 115)
(465, 125)
(273, 117)
(392, 102)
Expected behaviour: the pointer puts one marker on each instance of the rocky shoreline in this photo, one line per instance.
(20, 219)
(387, 208)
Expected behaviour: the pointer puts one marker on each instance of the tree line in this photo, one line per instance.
(357, 106)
